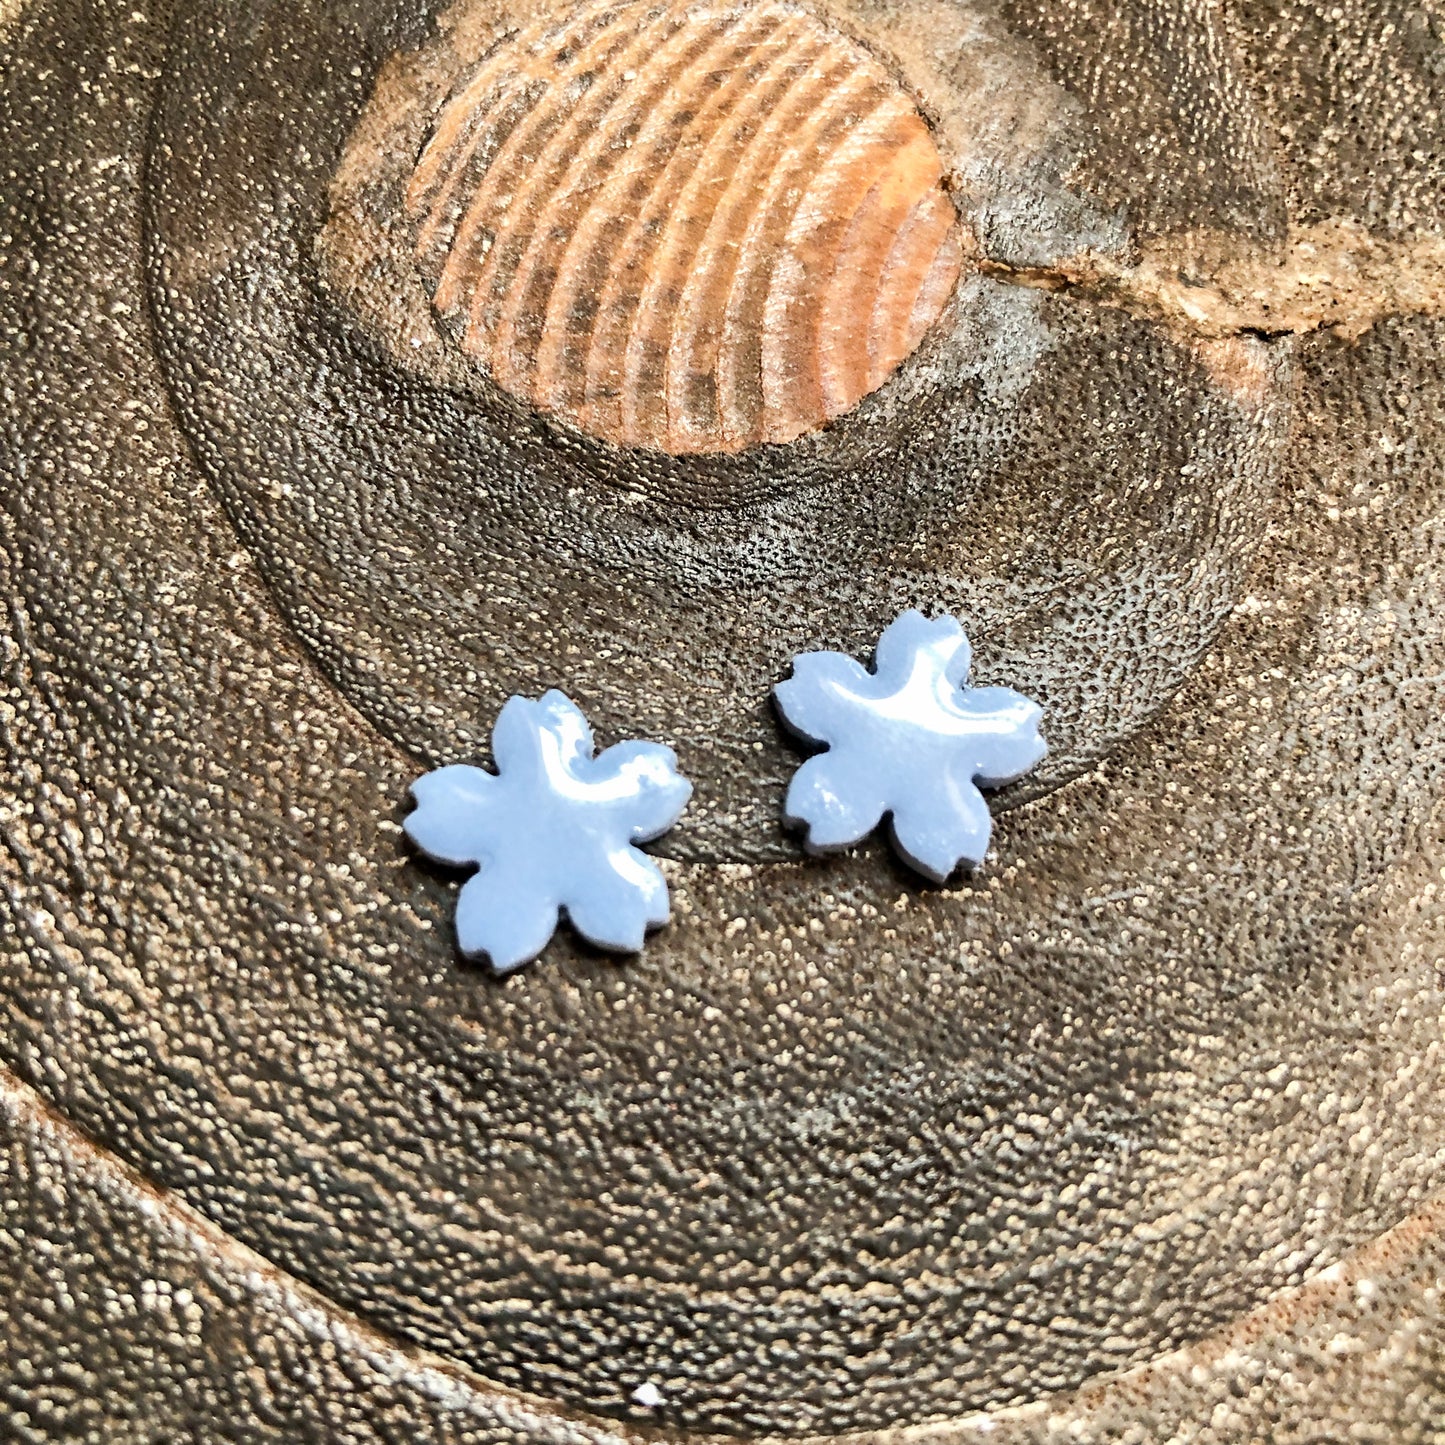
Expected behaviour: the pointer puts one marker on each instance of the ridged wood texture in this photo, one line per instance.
(685, 226)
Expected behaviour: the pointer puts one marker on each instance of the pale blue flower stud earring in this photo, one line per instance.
(909, 739)
(553, 828)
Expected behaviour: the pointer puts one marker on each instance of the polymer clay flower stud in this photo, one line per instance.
(909, 740)
(553, 829)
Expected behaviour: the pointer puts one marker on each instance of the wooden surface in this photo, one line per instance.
(695, 228)
(1132, 1136)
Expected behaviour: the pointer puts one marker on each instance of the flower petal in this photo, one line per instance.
(450, 821)
(1007, 743)
(837, 801)
(528, 734)
(912, 637)
(938, 828)
(642, 781)
(814, 701)
(507, 919)
(614, 908)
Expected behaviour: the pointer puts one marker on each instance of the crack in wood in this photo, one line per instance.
(1331, 276)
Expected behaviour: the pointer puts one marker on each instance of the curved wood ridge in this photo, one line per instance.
(691, 227)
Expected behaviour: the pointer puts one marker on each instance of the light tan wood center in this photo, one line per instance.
(691, 227)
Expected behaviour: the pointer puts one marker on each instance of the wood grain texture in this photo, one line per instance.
(1363, 1341)
(691, 227)
(1132, 1136)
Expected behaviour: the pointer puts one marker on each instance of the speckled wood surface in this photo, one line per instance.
(1134, 1130)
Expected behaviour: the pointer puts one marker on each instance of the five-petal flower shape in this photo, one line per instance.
(553, 828)
(910, 740)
